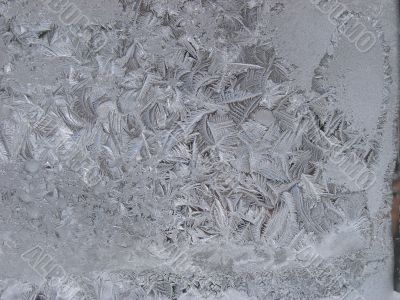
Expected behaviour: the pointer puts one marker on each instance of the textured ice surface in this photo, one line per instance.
(203, 149)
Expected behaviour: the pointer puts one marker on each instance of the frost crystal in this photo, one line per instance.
(171, 152)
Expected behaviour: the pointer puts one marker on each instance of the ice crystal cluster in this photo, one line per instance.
(171, 150)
